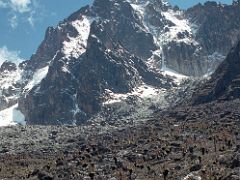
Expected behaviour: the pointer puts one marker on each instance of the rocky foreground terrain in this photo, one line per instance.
(180, 130)
(198, 142)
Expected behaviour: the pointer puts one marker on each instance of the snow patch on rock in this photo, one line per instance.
(181, 25)
(177, 77)
(9, 90)
(11, 116)
(144, 91)
(75, 46)
(7, 79)
(38, 76)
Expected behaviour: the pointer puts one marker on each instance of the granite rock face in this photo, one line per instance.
(215, 29)
(224, 83)
(8, 66)
(11, 84)
(218, 29)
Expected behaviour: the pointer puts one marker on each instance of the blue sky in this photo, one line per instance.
(23, 22)
(189, 3)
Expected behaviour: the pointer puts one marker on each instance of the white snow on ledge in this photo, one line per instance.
(177, 77)
(11, 116)
(144, 91)
(38, 76)
(76, 46)
(180, 24)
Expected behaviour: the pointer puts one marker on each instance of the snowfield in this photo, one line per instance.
(76, 46)
(11, 116)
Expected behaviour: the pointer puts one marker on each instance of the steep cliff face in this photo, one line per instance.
(224, 83)
(114, 49)
(11, 84)
(214, 30)
(105, 55)
(218, 26)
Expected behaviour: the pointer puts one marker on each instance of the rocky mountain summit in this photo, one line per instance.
(116, 56)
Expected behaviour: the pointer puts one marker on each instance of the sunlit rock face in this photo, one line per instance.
(224, 83)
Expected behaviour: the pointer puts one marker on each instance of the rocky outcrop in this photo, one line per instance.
(218, 26)
(128, 31)
(10, 84)
(224, 83)
(215, 30)
(8, 66)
